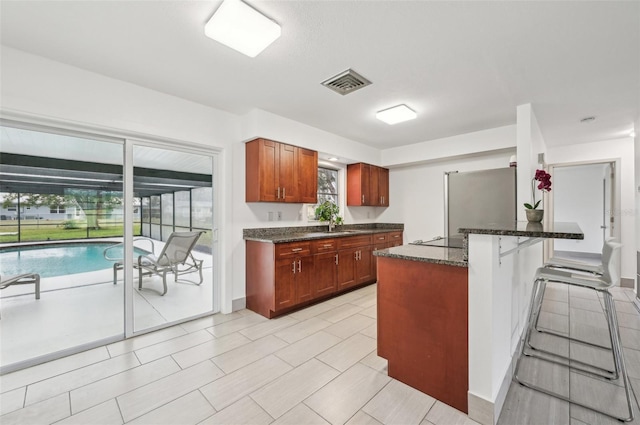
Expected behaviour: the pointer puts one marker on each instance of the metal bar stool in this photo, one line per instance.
(609, 278)
(588, 271)
(576, 266)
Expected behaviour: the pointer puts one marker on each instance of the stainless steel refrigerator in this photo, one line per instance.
(477, 198)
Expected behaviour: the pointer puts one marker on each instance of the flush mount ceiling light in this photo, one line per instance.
(239, 26)
(333, 158)
(396, 114)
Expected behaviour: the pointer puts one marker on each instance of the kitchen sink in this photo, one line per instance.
(335, 232)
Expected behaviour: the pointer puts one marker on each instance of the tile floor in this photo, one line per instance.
(314, 366)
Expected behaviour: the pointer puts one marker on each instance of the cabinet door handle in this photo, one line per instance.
(355, 255)
(363, 199)
(284, 193)
(296, 249)
(299, 266)
(293, 267)
(278, 192)
(336, 259)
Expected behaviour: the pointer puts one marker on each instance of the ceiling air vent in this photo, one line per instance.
(346, 82)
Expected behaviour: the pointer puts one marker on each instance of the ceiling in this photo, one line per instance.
(462, 66)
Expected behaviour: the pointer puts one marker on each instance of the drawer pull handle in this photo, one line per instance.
(381, 238)
(328, 245)
(296, 249)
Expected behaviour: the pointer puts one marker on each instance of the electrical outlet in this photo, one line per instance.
(279, 215)
(270, 215)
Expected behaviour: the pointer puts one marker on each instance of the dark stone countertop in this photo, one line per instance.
(308, 233)
(557, 230)
(426, 254)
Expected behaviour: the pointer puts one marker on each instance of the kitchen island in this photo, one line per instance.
(422, 320)
(469, 304)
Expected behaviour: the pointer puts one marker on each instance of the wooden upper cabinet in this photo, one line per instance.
(367, 185)
(278, 172)
(307, 176)
(383, 186)
(358, 176)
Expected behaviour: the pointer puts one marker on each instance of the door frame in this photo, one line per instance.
(614, 222)
(130, 143)
(127, 138)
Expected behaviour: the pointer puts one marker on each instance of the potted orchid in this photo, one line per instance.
(533, 213)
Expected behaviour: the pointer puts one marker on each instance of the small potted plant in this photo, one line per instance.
(328, 211)
(534, 214)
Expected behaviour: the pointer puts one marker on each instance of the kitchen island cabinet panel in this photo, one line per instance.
(422, 327)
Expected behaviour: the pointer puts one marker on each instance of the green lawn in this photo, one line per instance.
(31, 231)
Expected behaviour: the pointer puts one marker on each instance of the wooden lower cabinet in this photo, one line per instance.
(347, 268)
(363, 265)
(325, 274)
(281, 277)
(285, 285)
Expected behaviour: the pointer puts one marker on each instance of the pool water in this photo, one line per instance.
(59, 259)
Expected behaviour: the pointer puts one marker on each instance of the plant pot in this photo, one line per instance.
(534, 227)
(534, 216)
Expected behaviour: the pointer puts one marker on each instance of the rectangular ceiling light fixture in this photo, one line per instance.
(396, 114)
(239, 26)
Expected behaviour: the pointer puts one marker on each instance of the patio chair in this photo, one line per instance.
(21, 279)
(176, 257)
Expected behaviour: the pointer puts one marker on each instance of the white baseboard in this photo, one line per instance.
(238, 304)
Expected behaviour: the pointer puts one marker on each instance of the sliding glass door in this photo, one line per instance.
(176, 281)
(61, 199)
(98, 229)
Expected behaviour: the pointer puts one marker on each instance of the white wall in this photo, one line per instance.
(577, 193)
(494, 139)
(624, 211)
(417, 192)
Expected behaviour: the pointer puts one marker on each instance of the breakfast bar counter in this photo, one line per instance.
(449, 319)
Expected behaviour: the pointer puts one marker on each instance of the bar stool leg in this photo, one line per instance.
(536, 297)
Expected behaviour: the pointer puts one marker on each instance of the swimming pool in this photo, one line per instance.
(58, 259)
